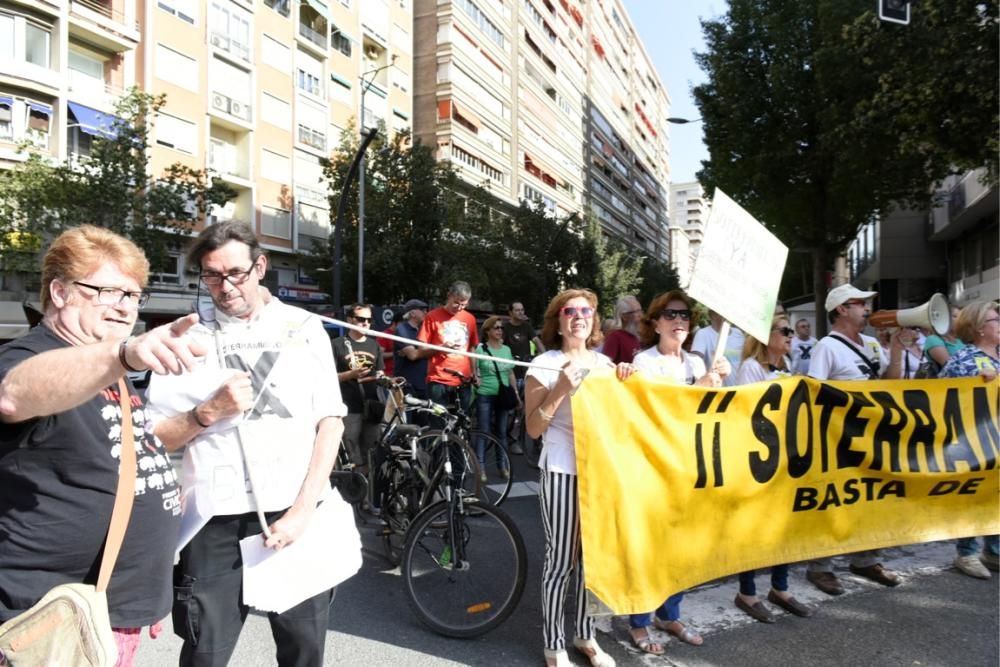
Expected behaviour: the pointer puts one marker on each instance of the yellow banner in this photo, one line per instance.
(680, 485)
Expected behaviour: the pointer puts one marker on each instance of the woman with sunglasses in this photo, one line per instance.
(764, 362)
(663, 331)
(569, 334)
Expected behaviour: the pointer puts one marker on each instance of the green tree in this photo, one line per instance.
(811, 112)
(111, 188)
(606, 266)
(655, 277)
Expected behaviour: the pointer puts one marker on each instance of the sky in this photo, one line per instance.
(670, 32)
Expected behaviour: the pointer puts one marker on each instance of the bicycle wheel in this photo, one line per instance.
(472, 588)
(496, 466)
(400, 504)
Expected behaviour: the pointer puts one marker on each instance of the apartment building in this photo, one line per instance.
(689, 209)
(524, 98)
(257, 93)
(260, 92)
(953, 248)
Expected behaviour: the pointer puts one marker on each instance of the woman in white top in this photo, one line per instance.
(665, 327)
(765, 362)
(569, 335)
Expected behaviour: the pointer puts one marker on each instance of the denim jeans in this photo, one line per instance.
(968, 546)
(445, 395)
(668, 611)
(779, 580)
(492, 420)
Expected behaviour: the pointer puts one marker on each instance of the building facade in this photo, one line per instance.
(547, 101)
(689, 209)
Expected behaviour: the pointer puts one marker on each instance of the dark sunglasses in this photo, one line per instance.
(361, 319)
(577, 311)
(785, 331)
(671, 314)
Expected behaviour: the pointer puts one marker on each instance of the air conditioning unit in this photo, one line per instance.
(220, 102)
(218, 41)
(238, 109)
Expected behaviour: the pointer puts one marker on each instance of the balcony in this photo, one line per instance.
(103, 24)
(313, 27)
(93, 92)
(312, 138)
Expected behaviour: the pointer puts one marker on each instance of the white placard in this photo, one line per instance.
(738, 271)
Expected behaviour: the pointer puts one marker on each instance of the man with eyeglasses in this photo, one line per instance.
(847, 354)
(359, 362)
(450, 326)
(61, 436)
(622, 344)
(264, 405)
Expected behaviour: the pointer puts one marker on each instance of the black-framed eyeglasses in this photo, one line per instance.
(234, 277)
(671, 314)
(496, 327)
(112, 296)
(785, 331)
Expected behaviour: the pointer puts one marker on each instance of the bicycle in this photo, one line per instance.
(498, 475)
(464, 561)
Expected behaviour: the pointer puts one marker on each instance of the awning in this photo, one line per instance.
(464, 112)
(169, 304)
(92, 121)
(40, 108)
(9, 101)
(320, 7)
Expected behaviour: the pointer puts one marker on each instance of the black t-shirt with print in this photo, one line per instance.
(58, 476)
(349, 353)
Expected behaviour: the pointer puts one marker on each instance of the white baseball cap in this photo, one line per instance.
(841, 294)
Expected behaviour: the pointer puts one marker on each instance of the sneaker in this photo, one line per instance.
(992, 561)
(482, 477)
(972, 566)
(516, 448)
(505, 473)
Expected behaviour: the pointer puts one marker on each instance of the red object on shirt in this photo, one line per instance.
(442, 328)
(388, 354)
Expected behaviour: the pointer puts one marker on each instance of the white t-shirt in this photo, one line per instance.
(558, 451)
(801, 354)
(688, 371)
(290, 359)
(752, 371)
(832, 360)
(705, 341)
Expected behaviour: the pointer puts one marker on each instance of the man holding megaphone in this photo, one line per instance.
(848, 354)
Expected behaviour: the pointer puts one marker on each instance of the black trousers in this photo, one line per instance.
(209, 613)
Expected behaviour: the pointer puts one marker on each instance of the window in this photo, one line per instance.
(185, 10)
(309, 74)
(86, 65)
(167, 271)
(275, 167)
(177, 133)
(280, 6)
(340, 42)
(276, 222)
(275, 111)
(177, 68)
(36, 45)
(484, 24)
(231, 30)
(6, 118)
(309, 83)
(39, 124)
(6, 37)
(275, 54)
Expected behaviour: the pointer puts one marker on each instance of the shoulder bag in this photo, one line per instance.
(506, 394)
(70, 624)
(872, 367)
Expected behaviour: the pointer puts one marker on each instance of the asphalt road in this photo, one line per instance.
(937, 617)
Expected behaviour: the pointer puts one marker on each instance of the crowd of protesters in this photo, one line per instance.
(61, 436)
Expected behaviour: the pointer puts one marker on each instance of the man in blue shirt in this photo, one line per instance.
(408, 363)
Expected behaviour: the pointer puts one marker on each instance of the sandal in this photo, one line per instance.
(556, 658)
(644, 642)
(597, 656)
(680, 631)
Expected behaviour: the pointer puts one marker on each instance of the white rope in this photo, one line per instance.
(438, 348)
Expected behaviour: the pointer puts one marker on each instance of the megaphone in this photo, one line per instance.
(935, 315)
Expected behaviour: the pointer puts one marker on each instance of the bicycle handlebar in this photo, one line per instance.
(425, 404)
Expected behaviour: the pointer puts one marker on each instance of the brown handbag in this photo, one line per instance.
(70, 625)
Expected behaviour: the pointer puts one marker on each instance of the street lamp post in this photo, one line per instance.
(365, 85)
(338, 232)
(682, 121)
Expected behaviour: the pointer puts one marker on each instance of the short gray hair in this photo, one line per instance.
(461, 289)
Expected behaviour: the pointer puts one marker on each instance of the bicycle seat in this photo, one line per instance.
(407, 430)
(459, 374)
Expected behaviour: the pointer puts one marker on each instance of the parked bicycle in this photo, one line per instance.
(464, 562)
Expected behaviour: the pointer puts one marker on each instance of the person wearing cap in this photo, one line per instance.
(847, 354)
(408, 362)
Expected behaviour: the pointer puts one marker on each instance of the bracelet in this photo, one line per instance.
(122, 359)
(194, 415)
(544, 415)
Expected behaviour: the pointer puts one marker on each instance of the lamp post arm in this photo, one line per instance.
(352, 175)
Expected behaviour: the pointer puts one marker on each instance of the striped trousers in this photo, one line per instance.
(561, 521)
